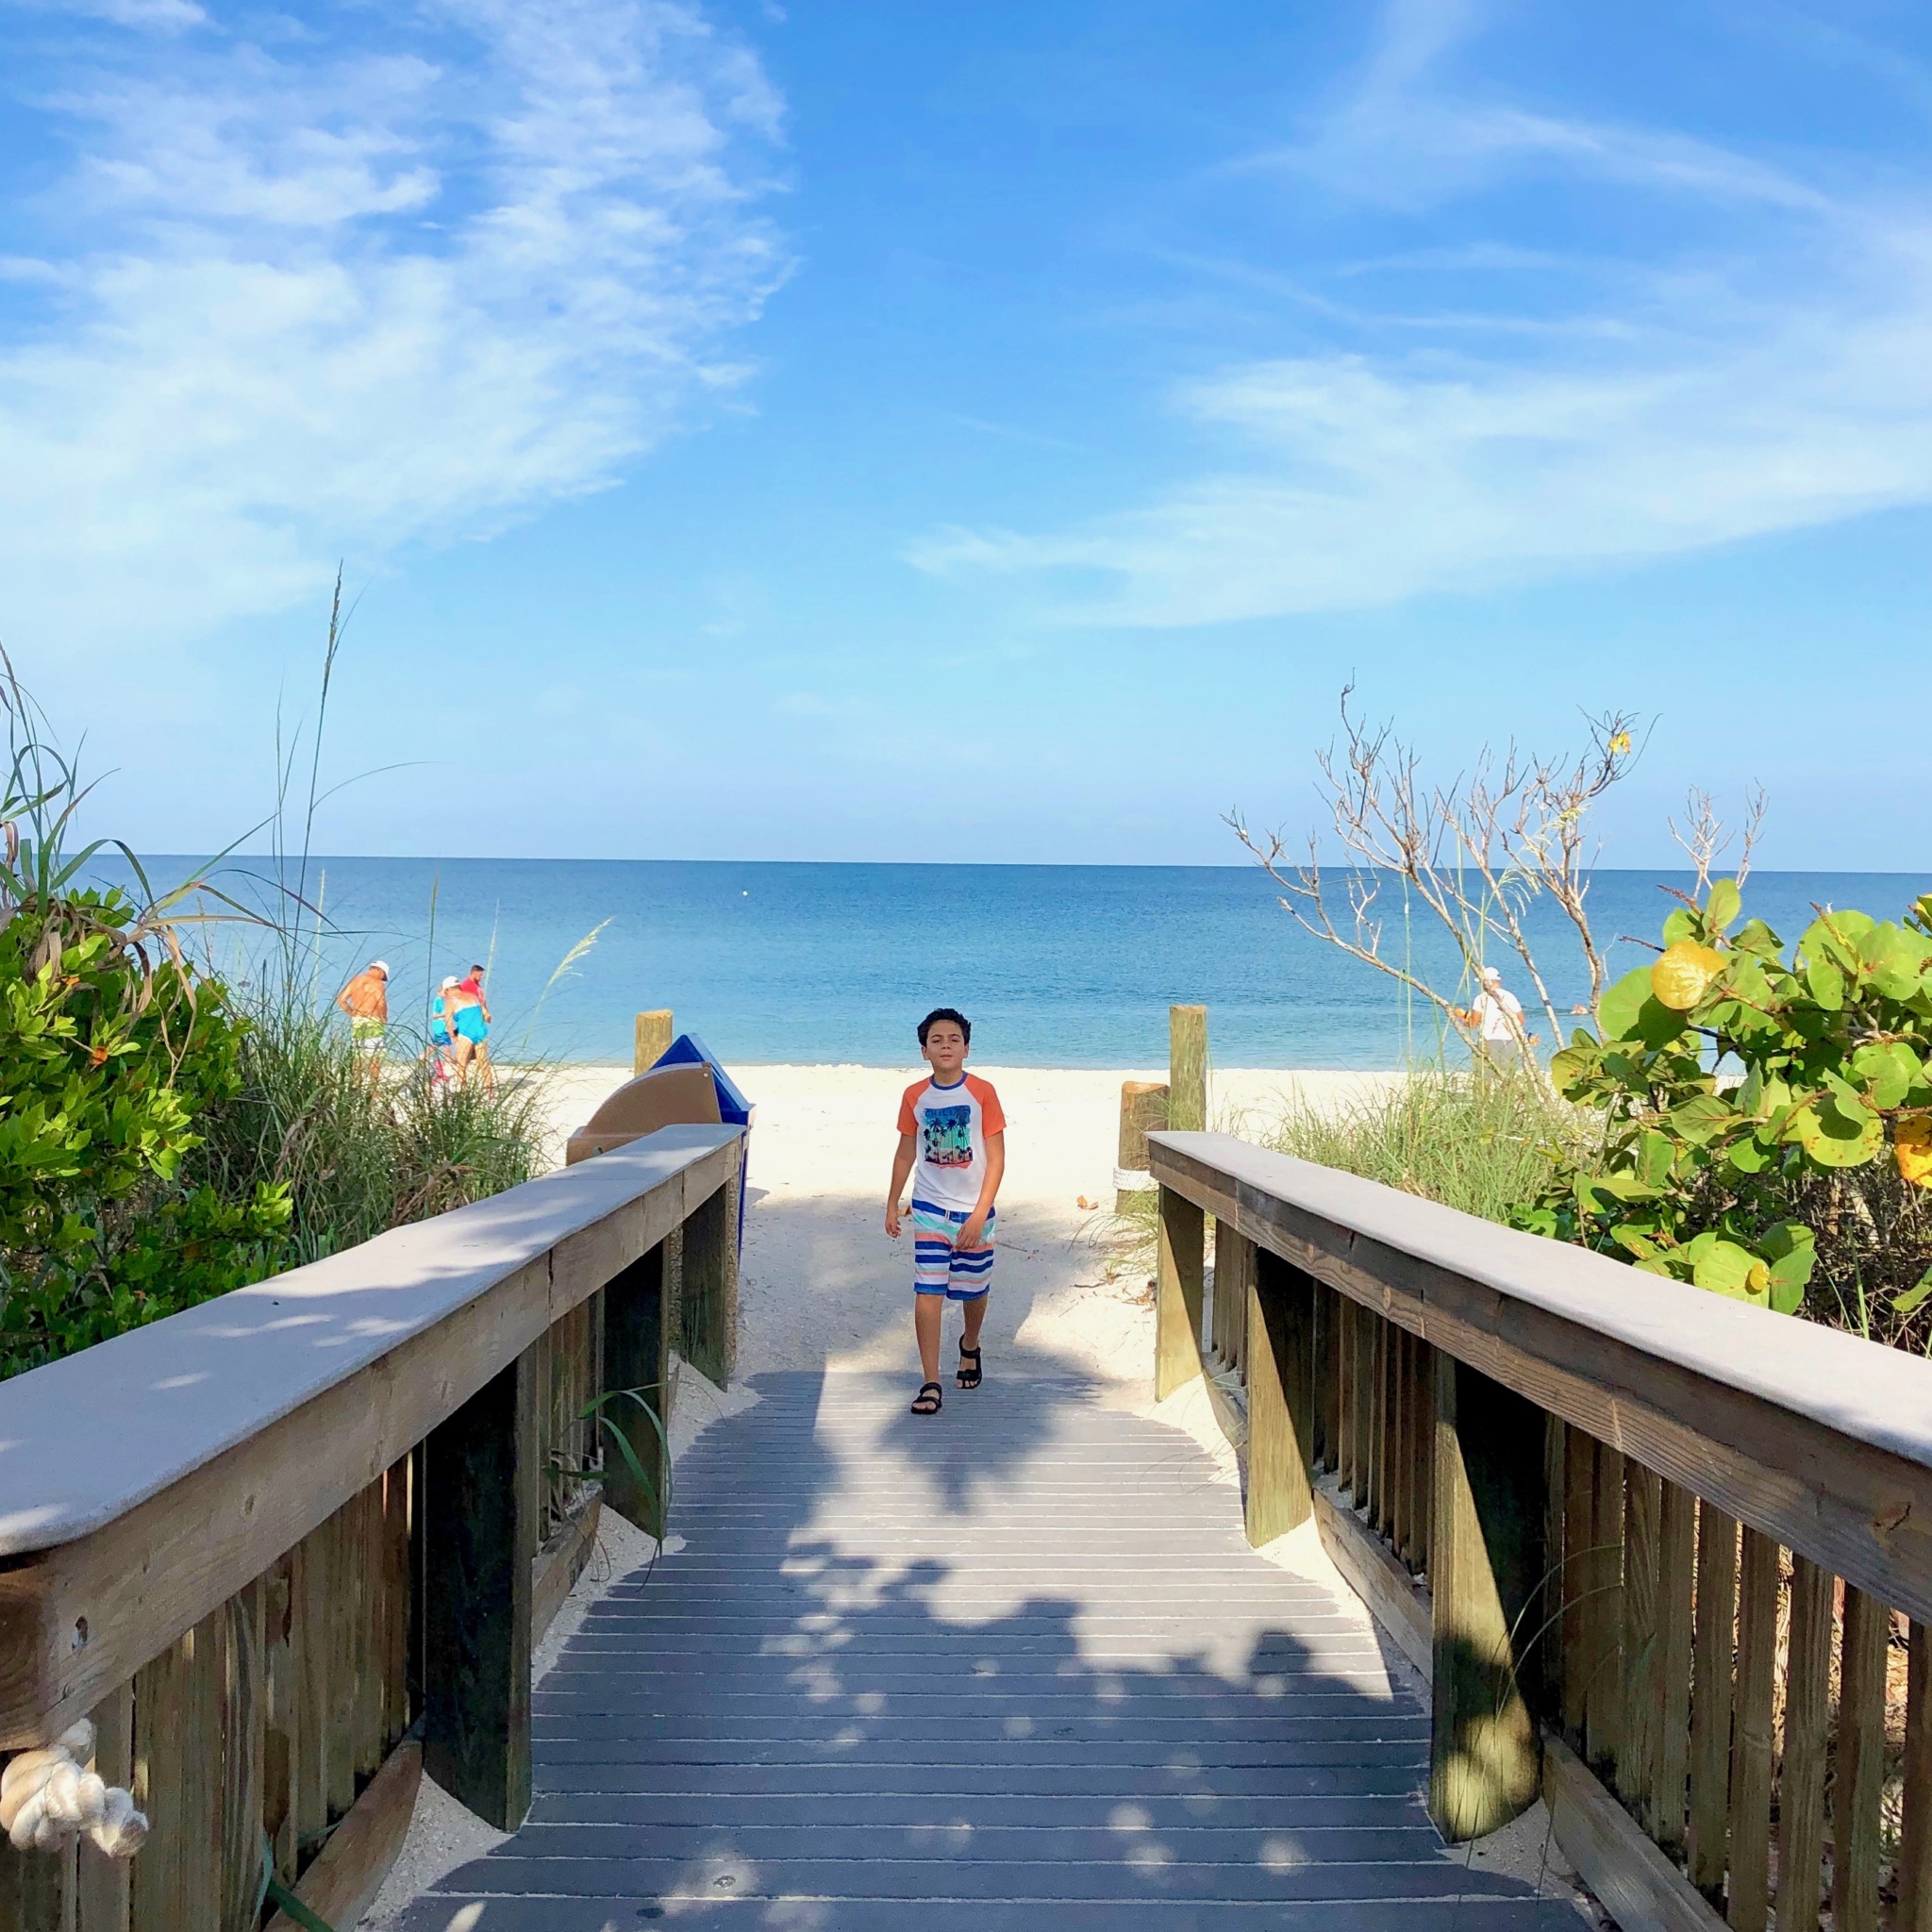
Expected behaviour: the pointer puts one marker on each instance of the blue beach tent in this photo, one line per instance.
(688, 1050)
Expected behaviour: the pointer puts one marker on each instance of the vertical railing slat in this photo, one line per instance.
(103, 1884)
(1858, 1788)
(1345, 1396)
(1677, 1589)
(1751, 1739)
(1328, 1390)
(1579, 1541)
(1800, 1774)
(1642, 1656)
(1366, 1323)
(1603, 1612)
(314, 1653)
(241, 1749)
(281, 1689)
(1711, 1700)
(1915, 1845)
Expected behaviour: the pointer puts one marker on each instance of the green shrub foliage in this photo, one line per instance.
(108, 1056)
(1763, 1115)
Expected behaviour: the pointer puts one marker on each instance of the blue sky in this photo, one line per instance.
(896, 431)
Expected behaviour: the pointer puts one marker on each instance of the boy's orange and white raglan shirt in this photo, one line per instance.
(950, 1126)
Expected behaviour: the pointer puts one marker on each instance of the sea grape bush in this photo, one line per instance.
(106, 1059)
(1767, 1122)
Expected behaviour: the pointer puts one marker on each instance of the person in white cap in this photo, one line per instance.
(365, 999)
(1497, 1016)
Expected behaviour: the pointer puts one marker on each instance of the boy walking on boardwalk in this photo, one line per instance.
(953, 1147)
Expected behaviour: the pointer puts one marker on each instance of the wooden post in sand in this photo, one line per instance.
(653, 1040)
(1187, 1068)
(1143, 1109)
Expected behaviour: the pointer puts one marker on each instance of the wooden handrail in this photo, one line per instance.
(146, 1481)
(1533, 1462)
(1815, 1437)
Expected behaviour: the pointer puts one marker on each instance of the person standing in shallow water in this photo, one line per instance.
(953, 1149)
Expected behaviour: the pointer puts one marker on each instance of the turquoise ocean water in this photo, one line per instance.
(1071, 966)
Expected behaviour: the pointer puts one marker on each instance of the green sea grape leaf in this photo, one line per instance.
(1681, 924)
(1746, 979)
(1572, 1064)
(1657, 1025)
(1698, 1120)
(1723, 905)
(1792, 1249)
(1826, 984)
(1890, 1070)
(1622, 1001)
(1914, 1298)
(1846, 1099)
(1724, 1268)
(1844, 931)
(1840, 1142)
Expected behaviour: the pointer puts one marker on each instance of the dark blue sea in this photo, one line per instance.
(1059, 966)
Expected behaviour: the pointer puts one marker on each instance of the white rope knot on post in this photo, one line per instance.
(48, 1798)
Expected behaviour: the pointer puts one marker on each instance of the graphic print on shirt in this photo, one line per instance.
(948, 1136)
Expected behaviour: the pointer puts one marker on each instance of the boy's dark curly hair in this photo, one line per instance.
(952, 1013)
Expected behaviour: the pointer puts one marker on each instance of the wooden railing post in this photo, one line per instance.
(1177, 1293)
(710, 1284)
(1143, 1109)
(1187, 1068)
(636, 1359)
(1485, 1572)
(653, 1040)
(482, 1503)
(1281, 1396)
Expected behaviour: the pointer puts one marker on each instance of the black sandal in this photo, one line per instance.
(929, 1399)
(969, 1377)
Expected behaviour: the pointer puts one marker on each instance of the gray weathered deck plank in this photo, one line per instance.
(1012, 1669)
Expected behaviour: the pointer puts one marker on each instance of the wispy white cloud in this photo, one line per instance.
(1783, 383)
(330, 301)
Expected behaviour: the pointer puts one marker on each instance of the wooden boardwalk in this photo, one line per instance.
(1014, 1667)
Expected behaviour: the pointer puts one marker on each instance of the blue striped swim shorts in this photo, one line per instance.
(937, 1266)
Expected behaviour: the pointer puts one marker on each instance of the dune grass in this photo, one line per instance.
(1486, 1145)
(357, 1158)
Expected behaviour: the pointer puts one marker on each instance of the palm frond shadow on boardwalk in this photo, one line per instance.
(1018, 1670)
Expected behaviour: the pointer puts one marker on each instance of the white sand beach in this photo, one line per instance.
(822, 1283)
